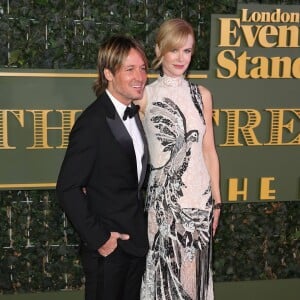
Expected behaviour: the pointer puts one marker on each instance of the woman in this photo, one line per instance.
(183, 197)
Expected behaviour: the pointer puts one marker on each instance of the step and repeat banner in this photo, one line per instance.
(254, 78)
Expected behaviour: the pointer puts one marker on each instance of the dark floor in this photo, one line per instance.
(288, 289)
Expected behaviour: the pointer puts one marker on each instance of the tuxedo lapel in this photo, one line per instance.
(146, 154)
(121, 134)
(117, 128)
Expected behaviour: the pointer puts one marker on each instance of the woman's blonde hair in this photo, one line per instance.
(172, 34)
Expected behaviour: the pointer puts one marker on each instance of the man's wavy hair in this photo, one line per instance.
(111, 56)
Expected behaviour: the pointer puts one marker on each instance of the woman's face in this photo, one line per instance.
(176, 61)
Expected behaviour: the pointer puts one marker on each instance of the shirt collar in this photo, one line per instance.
(120, 107)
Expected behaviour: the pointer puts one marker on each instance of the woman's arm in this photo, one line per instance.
(210, 154)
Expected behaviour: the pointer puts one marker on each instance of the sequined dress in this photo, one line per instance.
(179, 199)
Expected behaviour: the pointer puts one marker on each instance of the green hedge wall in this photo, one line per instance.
(258, 241)
(38, 246)
(66, 34)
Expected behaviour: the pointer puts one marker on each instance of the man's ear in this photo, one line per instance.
(108, 74)
(157, 50)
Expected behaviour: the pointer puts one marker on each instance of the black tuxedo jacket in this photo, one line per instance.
(100, 157)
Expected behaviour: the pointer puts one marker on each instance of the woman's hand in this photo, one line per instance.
(216, 217)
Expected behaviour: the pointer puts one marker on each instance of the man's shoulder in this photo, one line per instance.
(91, 115)
(96, 106)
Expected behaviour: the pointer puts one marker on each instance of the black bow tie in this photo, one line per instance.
(130, 111)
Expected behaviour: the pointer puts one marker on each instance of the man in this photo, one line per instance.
(102, 174)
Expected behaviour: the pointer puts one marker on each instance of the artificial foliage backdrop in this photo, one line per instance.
(67, 34)
(38, 246)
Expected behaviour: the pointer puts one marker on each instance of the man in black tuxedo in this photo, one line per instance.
(100, 181)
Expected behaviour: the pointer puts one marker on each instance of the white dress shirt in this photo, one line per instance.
(133, 130)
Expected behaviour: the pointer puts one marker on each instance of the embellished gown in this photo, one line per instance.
(179, 201)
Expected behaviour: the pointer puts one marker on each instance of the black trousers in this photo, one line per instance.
(115, 277)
